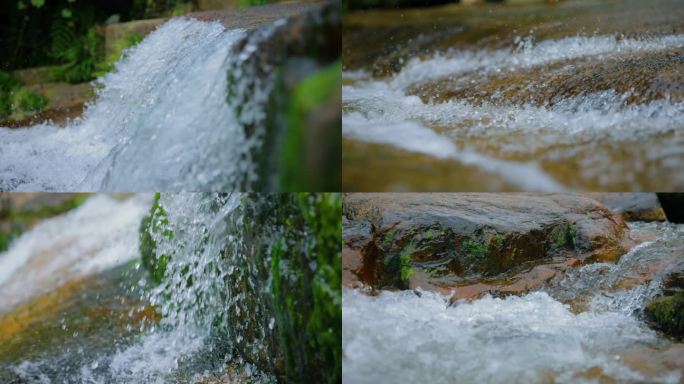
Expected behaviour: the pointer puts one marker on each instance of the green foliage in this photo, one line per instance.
(667, 314)
(145, 9)
(26, 102)
(5, 104)
(154, 224)
(80, 54)
(8, 83)
(300, 168)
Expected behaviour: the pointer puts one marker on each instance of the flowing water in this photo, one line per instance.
(78, 307)
(542, 337)
(160, 121)
(579, 95)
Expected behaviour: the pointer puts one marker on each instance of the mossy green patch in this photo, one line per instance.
(473, 251)
(405, 265)
(300, 159)
(666, 313)
(308, 307)
(389, 237)
(154, 224)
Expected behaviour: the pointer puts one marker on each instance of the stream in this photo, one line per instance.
(577, 95)
(586, 328)
(78, 307)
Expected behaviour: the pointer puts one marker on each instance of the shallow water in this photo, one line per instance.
(541, 337)
(90, 314)
(160, 121)
(516, 98)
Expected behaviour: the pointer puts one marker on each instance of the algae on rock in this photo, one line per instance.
(282, 285)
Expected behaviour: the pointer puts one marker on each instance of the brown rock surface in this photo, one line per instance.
(503, 243)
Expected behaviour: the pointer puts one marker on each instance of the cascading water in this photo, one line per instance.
(160, 121)
(524, 99)
(411, 336)
(206, 302)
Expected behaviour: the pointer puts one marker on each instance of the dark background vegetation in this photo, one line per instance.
(39, 32)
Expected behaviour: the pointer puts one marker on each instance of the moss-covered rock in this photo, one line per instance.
(446, 240)
(152, 225)
(283, 65)
(666, 313)
(283, 284)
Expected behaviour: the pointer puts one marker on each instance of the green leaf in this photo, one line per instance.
(66, 13)
(21, 5)
(37, 3)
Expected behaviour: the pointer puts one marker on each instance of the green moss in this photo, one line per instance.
(154, 224)
(498, 241)
(389, 237)
(305, 165)
(429, 235)
(667, 314)
(473, 251)
(572, 235)
(405, 266)
(308, 307)
(8, 82)
(27, 102)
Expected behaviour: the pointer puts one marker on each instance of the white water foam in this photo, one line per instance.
(98, 235)
(526, 54)
(381, 111)
(402, 338)
(160, 121)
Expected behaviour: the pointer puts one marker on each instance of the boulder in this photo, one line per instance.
(633, 206)
(510, 243)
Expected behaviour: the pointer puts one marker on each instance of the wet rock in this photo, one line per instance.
(116, 33)
(633, 206)
(642, 78)
(666, 313)
(357, 236)
(289, 50)
(283, 290)
(512, 242)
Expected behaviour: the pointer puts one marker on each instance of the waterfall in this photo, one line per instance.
(160, 121)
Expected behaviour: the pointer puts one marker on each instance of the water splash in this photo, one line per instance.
(160, 121)
(406, 337)
(587, 129)
(85, 245)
